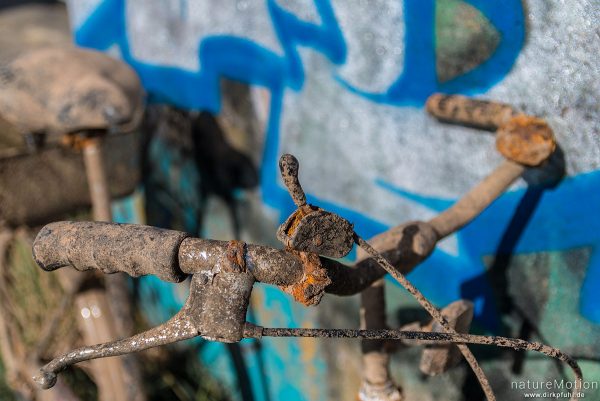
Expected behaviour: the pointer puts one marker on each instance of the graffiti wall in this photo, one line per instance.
(342, 85)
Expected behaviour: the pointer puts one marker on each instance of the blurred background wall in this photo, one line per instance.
(342, 84)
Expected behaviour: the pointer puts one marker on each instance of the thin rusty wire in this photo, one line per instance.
(392, 334)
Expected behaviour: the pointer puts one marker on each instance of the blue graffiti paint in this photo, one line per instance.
(562, 220)
(419, 78)
(237, 58)
(220, 55)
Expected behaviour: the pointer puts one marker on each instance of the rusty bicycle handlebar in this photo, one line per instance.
(224, 272)
(173, 255)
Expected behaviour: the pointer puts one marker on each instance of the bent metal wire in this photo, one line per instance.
(223, 272)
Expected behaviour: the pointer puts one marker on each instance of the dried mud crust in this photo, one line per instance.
(134, 249)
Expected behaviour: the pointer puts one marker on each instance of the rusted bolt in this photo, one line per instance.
(310, 288)
(79, 140)
(525, 140)
(310, 228)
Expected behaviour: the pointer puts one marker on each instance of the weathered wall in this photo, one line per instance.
(341, 84)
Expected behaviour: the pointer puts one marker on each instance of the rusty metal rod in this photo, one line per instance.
(289, 167)
(398, 244)
(477, 199)
(113, 377)
(377, 383)
(171, 255)
(530, 142)
(97, 181)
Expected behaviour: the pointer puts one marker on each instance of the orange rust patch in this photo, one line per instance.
(74, 141)
(526, 140)
(77, 141)
(235, 254)
(298, 215)
(309, 290)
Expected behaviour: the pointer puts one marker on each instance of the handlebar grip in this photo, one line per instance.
(134, 249)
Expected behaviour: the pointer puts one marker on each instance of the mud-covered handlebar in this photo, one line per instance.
(173, 255)
(134, 249)
(170, 255)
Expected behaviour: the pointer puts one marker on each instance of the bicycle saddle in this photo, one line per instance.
(56, 91)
